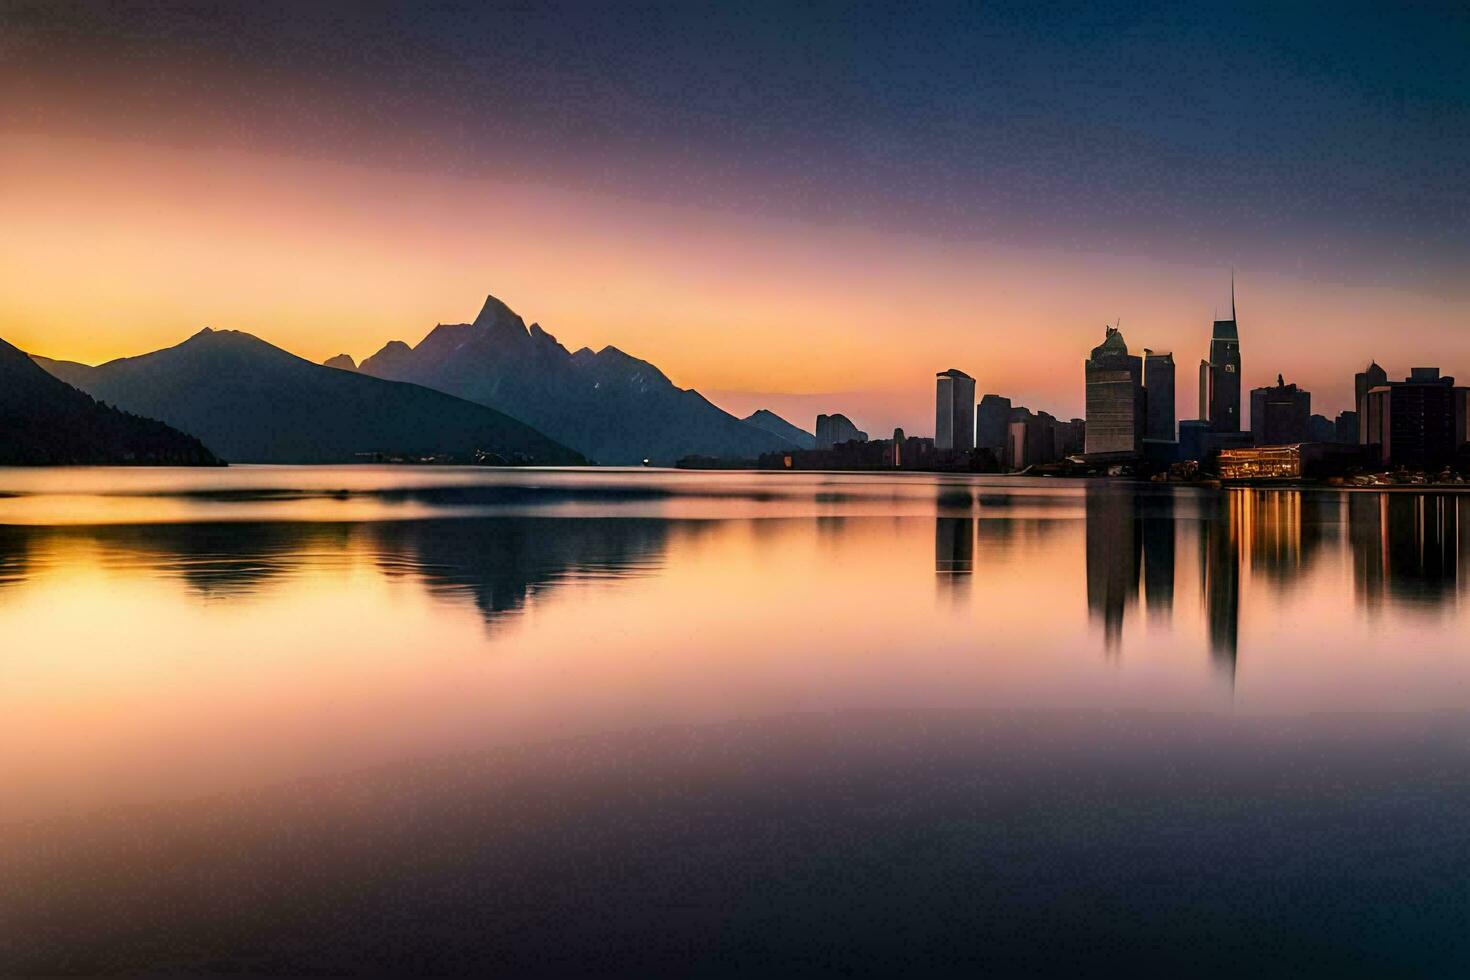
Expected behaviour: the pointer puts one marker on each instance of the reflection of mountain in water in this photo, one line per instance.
(495, 562)
(1408, 548)
(224, 561)
(500, 562)
(14, 555)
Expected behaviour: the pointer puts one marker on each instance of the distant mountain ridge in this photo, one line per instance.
(253, 402)
(608, 405)
(46, 422)
(768, 420)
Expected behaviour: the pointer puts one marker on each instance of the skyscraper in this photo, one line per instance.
(954, 411)
(1115, 400)
(1219, 375)
(1281, 414)
(1158, 386)
(992, 421)
(1365, 381)
(1413, 422)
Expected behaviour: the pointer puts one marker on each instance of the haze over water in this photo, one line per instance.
(318, 719)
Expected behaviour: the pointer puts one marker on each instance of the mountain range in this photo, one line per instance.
(253, 402)
(607, 405)
(45, 421)
(771, 422)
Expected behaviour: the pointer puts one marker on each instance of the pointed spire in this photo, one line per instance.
(1232, 293)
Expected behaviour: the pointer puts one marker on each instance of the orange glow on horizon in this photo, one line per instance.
(114, 249)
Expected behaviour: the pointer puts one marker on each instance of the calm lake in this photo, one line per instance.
(544, 722)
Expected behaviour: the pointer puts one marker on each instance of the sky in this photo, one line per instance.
(807, 207)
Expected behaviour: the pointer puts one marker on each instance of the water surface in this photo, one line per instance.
(552, 722)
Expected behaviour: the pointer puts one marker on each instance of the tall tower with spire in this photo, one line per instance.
(1219, 374)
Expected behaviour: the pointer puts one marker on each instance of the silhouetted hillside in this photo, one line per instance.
(771, 422)
(44, 421)
(257, 403)
(606, 404)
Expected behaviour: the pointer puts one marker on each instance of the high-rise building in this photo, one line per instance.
(1413, 422)
(1320, 428)
(1219, 375)
(1281, 414)
(893, 455)
(1158, 387)
(1071, 437)
(1346, 428)
(992, 421)
(1115, 400)
(1365, 381)
(1033, 439)
(954, 411)
(834, 430)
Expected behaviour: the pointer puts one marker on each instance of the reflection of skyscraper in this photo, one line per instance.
(1408, 548)
(1157, 520)
(1281, 531)
(954, 411)
(954, 552)
(1115, 402)
(1114, 547)
(1220, 574)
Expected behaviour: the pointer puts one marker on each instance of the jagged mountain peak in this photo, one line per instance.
(608, 404)
(495, 315)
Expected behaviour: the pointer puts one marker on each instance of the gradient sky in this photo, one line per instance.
(809, 207)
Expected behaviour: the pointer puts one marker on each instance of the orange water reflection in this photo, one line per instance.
(155, 661)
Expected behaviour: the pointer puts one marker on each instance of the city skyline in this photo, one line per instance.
(154, 188)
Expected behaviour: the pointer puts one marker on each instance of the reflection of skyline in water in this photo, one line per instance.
(716, 704)
(1219, 560)
(1130, 543)
(954, 554)
(1114, 550)
(1406, 549)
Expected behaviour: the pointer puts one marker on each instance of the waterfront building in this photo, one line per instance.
(1115, 399)
(1365, 381)
(1158, 387)
(1320, 428)
(954, 411)
(1281, 414)
(1071, 437)
(1412, 422)
(1346, 426)
(992, 424)
(1219, 375)
(1309, 460)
